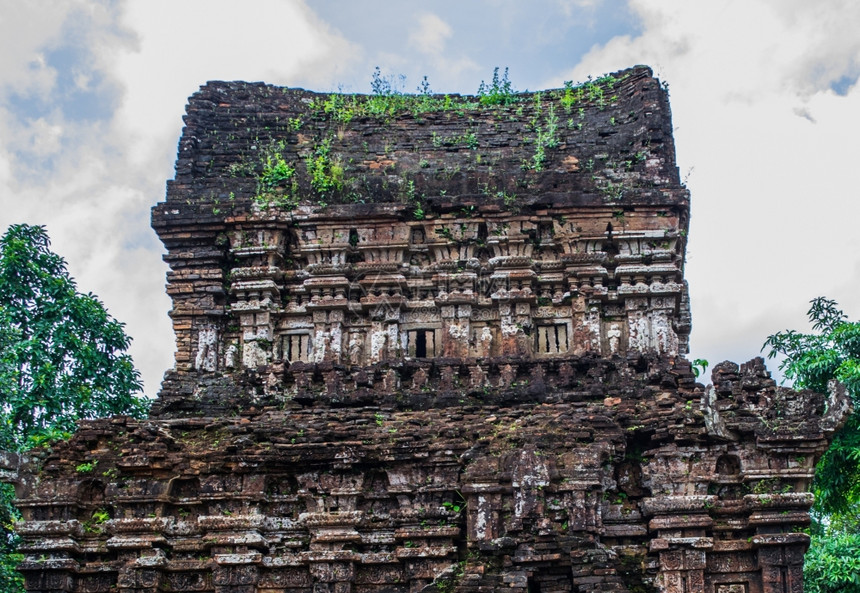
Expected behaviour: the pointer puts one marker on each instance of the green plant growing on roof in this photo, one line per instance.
(591, 91)
(383, 86)
(276, 183)
(508, 200)
(612, 192)
(551, 127)
(387, 97)
(100, 516)
(86, 468)
(546, 137)
(387, 100)
(276, 170)
(424, 88)
(534, 122)
(700, 365)
(538, 158)
(326, 174)
(498, 92)
(337, 106)
(570, 96)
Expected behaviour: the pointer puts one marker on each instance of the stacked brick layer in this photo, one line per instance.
(432, 347)
(626, 477)
(450, 238)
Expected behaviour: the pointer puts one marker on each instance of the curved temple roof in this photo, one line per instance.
(608, 141)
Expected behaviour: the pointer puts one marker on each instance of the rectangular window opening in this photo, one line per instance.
(421, 343)
(552, 339)
(297, 347)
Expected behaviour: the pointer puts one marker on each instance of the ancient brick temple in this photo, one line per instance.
(431, 343)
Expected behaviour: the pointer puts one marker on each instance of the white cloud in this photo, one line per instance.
(824, 38)
(95, 191)
(571, 7)
(431, 34)
(430, 38)
(774, 199)
(285, 45)
(45, 137)
(26, 29)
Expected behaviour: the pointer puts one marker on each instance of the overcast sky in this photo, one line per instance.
(764, 96)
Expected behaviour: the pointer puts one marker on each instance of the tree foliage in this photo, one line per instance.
(833, 564)
(62, 357)
(811, 361)
(10, 579)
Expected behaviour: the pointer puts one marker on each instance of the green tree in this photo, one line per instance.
(62, 359)
(832, 564)
(811, 361)
(10, 580)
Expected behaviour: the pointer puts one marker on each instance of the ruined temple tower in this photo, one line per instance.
(431, 343)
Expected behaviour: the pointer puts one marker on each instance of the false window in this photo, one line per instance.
(552, 339)
(421, 343)
(297, 347)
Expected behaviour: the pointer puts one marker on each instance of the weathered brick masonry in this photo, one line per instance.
(439, 346)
